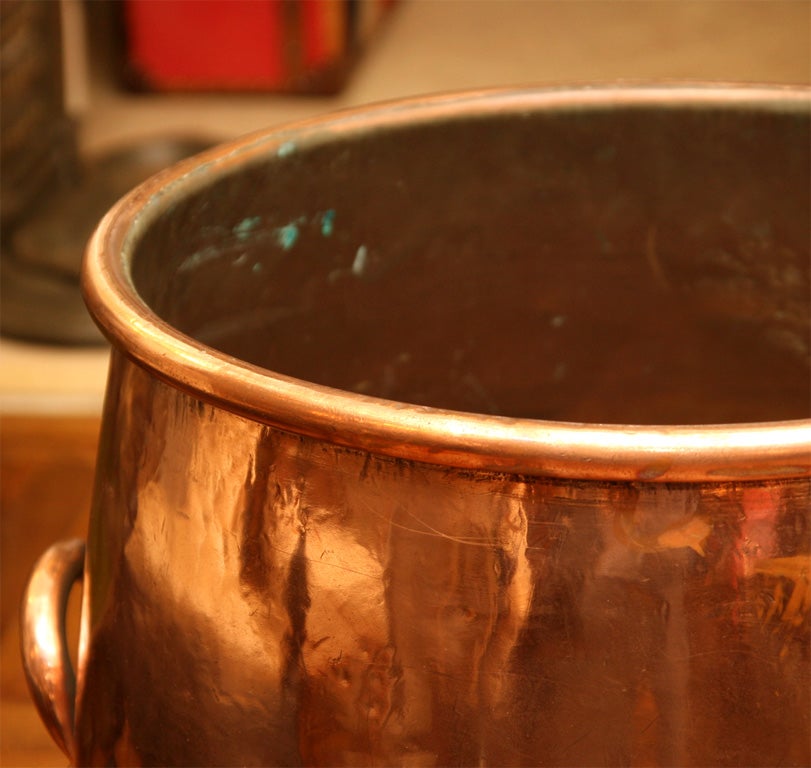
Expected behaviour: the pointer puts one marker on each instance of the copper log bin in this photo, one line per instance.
(466, 430)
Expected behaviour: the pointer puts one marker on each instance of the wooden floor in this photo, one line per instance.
(46, 475)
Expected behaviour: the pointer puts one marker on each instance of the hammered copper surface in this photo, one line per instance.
(280, 572)
(282, 601)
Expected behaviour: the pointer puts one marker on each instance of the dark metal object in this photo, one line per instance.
(41, 299)
(50, 200)
(38, 148)
(612, 571)
(36, 305)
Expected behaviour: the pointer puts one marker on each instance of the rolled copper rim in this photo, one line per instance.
(671, 453)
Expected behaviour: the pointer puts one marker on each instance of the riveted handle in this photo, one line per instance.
(43, 640)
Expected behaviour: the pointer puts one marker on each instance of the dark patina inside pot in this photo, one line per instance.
(638, 264)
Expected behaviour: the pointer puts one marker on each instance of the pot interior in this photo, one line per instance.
(637, 264)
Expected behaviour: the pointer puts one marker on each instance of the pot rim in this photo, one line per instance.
(626, 452)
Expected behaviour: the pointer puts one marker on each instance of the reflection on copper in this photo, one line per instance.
(285, 572)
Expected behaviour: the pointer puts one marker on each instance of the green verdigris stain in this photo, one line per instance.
(242, 231)
(328, 222)
(287, 235)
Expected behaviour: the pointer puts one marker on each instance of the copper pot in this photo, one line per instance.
(467, 430)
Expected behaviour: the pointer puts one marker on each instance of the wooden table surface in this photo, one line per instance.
(46, 476)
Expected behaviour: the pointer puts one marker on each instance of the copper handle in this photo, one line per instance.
(43, 640)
